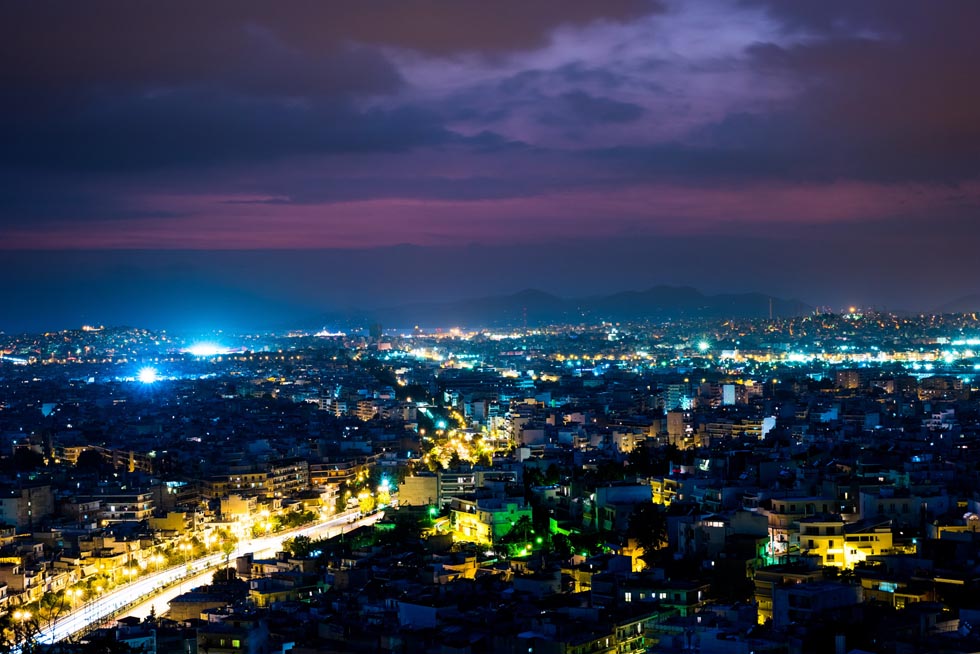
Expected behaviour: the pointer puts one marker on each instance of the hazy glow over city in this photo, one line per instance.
(555, 326)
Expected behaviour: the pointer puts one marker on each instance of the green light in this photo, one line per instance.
(539, 540)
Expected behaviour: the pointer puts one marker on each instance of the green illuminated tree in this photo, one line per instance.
(520, 535)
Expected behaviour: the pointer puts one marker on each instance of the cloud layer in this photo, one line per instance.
(250, 125)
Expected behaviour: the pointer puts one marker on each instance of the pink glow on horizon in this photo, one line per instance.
(212, 222)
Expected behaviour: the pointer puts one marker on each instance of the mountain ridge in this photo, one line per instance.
(538, 307)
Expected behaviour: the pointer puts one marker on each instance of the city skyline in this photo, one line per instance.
(404, 326)
(293, 162)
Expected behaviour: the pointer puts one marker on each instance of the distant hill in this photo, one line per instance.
(539, 307)
(966, 304)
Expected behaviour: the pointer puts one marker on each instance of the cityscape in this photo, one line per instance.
(558, 327)
(755, 485)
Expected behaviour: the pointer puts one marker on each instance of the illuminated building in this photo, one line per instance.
(418, 490)
(895, 592)
(486, 520)
(823, 537)
(125, 505)
(680, 428)
(769, 578)
(677, 396)
(664, 490)
(783, 520)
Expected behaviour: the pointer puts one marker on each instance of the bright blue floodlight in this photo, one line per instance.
(205, 350)
(147, 375)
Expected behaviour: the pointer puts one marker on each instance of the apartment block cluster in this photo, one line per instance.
(554, 495)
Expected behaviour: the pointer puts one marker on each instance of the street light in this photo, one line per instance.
(21, 629)
(184, 549)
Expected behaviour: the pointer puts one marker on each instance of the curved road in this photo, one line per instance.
(155, 587)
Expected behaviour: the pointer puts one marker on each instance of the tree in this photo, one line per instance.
(22, 627)
(609, 471)
(365, 501)
(26, 459)
(299, 546)
(519, 537)
(586, 544)
(20, 630)
(224, 575)
(519, 531)
(228, 541)
(562, 545)
(52, 606)
(648, 525)
(297, 519)
(653, 461)
(89, 460)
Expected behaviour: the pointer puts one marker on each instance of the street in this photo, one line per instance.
(156, 589)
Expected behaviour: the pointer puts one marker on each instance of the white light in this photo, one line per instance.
(206, 350)
(147, 375)
(703, 346)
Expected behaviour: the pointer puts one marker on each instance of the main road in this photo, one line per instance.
(137, 597)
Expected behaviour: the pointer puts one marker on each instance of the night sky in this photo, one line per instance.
(229, 163)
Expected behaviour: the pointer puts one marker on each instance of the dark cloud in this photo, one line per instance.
(42, 200)
(890, 87)
(193, 126)
(338, 188)
(109, 41)
(133, 85)
(589, 109)
(197, 112)
(812, 139)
